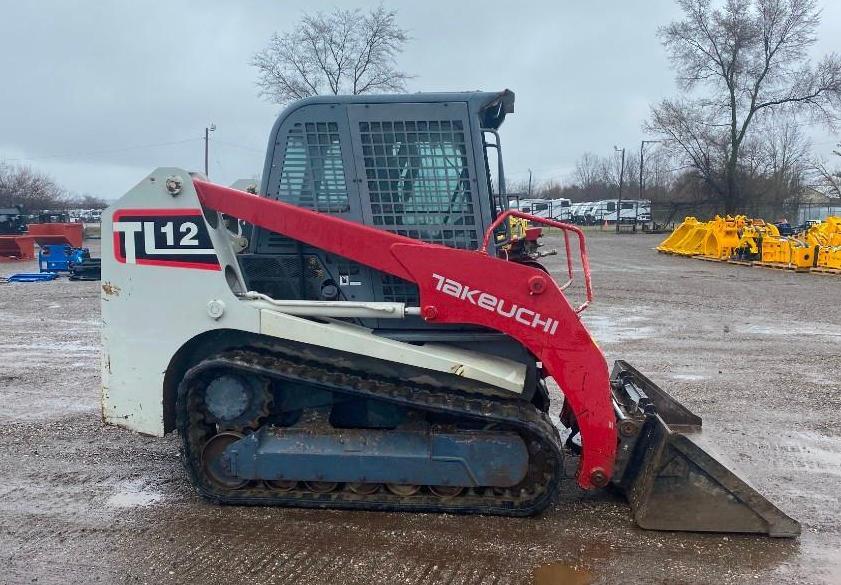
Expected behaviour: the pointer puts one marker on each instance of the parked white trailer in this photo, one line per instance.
(632, 210)
(561, 209)
(557, 209)
(577, 212)
(586, 212)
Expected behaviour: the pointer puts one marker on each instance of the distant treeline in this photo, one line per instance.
(34, 191)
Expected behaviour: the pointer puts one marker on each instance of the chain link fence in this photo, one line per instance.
(665, 215)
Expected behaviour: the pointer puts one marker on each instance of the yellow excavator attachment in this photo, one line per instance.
(722, 237)
(742, 239)
(829, 257)
(672, 244)
(825, 233)
(788, 251)
(694, 241)
(751, 237)
(716, 239)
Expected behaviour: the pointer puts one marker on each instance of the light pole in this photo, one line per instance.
(207, 131)
(621, 180)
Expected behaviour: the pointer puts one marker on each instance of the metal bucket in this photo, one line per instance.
(672, 477)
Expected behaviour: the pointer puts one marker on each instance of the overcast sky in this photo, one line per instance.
(97, 93)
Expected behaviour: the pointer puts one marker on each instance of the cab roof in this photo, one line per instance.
(490, 106)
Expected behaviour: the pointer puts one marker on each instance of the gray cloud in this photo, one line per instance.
(90, 86)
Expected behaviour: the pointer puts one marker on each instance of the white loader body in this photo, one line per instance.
(169, 275)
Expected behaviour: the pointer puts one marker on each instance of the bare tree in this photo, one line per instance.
(30, 189)
(342, 52)
(829, 178)
(597, 177)
(550, 189)
(751, 58)
(587, 170)
(659, 172)
(517, 187)
(86, 201)
(783, 165)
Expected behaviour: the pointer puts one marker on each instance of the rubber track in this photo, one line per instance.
(540, 435)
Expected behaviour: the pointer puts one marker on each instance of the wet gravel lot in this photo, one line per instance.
(755, 352)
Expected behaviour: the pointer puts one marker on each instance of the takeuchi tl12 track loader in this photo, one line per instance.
(380, 334)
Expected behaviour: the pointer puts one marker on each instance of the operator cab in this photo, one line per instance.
(426, 166)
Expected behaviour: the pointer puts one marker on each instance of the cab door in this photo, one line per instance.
(311, 166)
(417, 177)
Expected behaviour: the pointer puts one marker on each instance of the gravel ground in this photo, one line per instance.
(753, 351)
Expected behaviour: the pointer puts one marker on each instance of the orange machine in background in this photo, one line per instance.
(22, 247)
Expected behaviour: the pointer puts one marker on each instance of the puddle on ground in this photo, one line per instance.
(42, 346)
(614, 329)
(819, 379)
(688, 377)
(561, 574)
(816, 451)
(133, 494)
(790, 329)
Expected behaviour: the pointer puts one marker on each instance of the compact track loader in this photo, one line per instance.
(370, 340)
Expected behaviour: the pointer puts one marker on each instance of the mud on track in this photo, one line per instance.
(755, 352)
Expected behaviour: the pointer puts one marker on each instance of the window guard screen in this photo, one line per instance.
(313, 174)
(419, 181)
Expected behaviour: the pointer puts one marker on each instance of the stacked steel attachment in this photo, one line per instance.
(754, 242)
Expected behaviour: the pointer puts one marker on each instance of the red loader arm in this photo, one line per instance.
(469, 287)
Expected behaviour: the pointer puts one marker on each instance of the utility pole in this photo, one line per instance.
(529, 184)
(621, 181)
(207, 131)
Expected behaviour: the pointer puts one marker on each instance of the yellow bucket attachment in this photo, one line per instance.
(693, 243)
(672, 244)
(722, 237)
(717, 239)
(741, 238)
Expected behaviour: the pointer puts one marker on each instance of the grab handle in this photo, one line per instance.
(567, 229)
